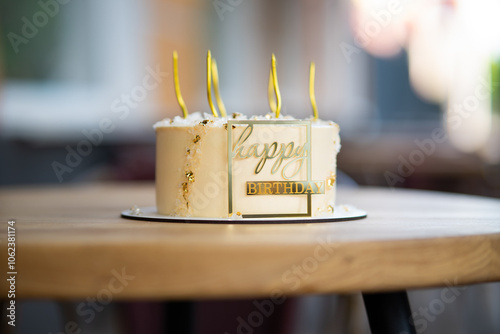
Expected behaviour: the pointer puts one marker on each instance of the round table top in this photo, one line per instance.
(72, 243)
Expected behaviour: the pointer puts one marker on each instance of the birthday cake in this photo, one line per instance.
(240, 167)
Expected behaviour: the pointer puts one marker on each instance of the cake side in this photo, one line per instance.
(191, 171)
(325, 143)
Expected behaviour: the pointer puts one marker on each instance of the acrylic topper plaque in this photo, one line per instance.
(270, 160)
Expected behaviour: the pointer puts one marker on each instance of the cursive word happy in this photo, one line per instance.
(289, 153)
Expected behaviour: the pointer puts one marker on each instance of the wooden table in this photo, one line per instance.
(72, 243)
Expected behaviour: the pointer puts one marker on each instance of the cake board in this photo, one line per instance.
(340, 213)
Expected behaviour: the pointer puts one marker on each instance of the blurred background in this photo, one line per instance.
(414, 85)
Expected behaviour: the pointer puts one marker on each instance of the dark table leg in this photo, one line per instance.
(180, 317)
(388, 313)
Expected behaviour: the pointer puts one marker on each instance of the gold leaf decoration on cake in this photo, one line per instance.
(185, 187)
(190, 176)
(196, 139)
(206, 121)
(331, 181)
(330, 208)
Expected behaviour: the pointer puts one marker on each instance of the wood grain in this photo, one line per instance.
(71, 243)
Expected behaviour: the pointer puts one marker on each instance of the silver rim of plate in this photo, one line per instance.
(340, 213)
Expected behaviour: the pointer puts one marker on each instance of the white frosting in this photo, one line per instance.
(196, 117)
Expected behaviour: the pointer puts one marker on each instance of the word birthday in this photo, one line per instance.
(290, 153)
(285, 187)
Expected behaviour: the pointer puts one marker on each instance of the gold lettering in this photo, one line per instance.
(277, 188)
(297, 191)
(253, 151)
(319, 186)
(265, 152)
(301, 156)
(267, 188)
(265, 155)
(309, 189)
(287, 187)
(282, 155)
(238, 147)
(260, 189)
(251, 188)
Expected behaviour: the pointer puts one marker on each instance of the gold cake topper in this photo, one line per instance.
(271, 151)
(290, 169)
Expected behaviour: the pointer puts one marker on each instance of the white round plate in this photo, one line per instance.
(341, 213)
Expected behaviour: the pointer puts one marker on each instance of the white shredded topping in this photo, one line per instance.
(196, 117)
